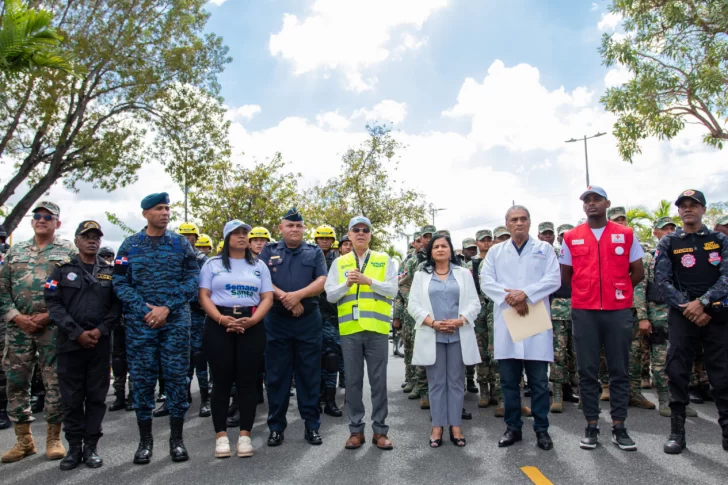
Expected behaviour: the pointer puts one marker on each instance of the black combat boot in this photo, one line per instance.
(74, 457)
(4, 420)
(146, 443)
(90, 456)
(675, 444)
(161, 411)
(177, 449)
(119, 403)
(205, 411)
(331, 408)
(129, 401)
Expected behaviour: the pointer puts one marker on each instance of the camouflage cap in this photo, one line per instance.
(662, 222)
(615, 212)
(545, 226)
(428, 229)
(563, 228)
(444, 232)
(49, 206)
(484, 233)
(416, 235)
(501, 231)
(722, 221)
(469, 242)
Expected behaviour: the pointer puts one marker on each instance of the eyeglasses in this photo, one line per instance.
(45, 217)
(365, 230)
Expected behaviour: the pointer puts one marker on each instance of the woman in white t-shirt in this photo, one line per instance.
(236, 293)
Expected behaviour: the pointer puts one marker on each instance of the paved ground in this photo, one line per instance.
(412, 461)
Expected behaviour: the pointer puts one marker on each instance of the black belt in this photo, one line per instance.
(237, 311)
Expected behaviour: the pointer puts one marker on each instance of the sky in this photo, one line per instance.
(482, 94)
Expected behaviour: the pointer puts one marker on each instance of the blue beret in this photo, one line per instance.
(154, 199)
(293, 215)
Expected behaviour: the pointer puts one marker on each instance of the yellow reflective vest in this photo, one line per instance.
(375, 310)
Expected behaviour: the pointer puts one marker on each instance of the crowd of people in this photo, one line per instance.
(262, 316)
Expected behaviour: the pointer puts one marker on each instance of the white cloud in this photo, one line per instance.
(388, 111)
(351, 36)
(217, 2)
(333, 120)
(594, 7)
(245, 112)
(617, 76)
(609, 21)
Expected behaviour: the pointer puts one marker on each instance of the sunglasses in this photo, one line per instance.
(365, 230)
(45, 217)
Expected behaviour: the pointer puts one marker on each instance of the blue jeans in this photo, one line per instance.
(510, 374)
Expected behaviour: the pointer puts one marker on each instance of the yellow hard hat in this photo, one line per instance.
(220, 246)
(259, 232)
(335, 245)
(203, 241)
(188, 228)
(324, 231)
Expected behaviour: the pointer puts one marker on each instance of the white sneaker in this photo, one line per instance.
(245, 446)
(222, 447)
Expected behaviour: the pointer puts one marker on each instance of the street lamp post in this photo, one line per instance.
(586, 156)
(434, 211)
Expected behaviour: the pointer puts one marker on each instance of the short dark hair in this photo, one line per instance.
(429, 264)
(225, 254)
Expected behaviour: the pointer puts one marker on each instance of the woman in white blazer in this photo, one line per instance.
(444, 304)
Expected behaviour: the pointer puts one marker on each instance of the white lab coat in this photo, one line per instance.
(419, 306)
(536, 272)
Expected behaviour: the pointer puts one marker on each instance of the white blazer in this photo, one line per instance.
(420, 307)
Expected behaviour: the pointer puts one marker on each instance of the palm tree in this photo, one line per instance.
(640, 220)
(28, 42)
(663, 210)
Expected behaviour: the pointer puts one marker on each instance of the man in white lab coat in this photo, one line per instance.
(516, 273)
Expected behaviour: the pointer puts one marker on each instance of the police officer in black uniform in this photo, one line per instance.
(691, 271)
(82, 304)
(293, 328)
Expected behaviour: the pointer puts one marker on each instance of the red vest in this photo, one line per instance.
(601, 268)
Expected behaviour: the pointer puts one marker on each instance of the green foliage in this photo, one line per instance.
(676, 51)
(114, 219)
(640, 220)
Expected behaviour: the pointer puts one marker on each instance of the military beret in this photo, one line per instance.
(153, 200)
(428, 229)
(663, 221)
(545, 226)
(293, 215)
(563, 228)
(501, 231)
(615, 212)
(469, 242)
(483, 233)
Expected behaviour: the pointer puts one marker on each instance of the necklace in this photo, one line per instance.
(443, 274)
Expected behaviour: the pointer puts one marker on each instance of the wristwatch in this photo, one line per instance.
(704, 301)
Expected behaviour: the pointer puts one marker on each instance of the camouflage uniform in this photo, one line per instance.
(408, 323)
(197, 325)
(163, 274)
(635, 355)
(563, 366)
(22, 280)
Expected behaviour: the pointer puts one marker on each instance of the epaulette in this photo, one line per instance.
(63, 262)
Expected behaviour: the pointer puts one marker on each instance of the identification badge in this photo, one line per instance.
(619, 250)
(355, 312)
(688, 260)
(72, 276)
(577, 242)
(714, 259)
(618, 238)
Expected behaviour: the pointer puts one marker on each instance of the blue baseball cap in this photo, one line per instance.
(593, 189)
(230, 226)
(359, 220)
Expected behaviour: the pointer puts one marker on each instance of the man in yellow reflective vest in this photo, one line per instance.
(363, 283)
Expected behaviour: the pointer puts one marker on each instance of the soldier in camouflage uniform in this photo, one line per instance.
(31, 336)
(401, 316)
(5, 422)
(470, 251)
(155, 277)
(564, 356)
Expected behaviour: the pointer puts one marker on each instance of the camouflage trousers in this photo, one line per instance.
(331, 343)
(488, 368)
(159, 352)
(699, 377)
(22, 351)
(563, 368)
(198, 363)
(3, 379)
(408, 339)
(646, 352)
(658, 355)
(492, 363)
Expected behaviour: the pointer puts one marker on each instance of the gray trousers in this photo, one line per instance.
(447, 387)
(372, 348)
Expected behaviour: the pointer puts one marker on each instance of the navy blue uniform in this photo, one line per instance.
(293, 344)
(162, 272)
(197, 316)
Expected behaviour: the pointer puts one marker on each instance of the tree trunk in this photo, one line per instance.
(16, 119)
(30, 162)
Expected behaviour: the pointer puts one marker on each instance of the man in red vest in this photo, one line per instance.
(602, 261)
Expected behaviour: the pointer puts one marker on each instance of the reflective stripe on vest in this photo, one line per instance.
(375, 310)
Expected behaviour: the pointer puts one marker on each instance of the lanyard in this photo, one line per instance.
(363, 268)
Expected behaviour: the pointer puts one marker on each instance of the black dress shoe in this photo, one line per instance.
(466, 415)
(509, 437)
(543, 440)
(90, 457)
(312, 436)
(73, 458)
(275, 438)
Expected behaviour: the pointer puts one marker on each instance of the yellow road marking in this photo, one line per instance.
(535, 475)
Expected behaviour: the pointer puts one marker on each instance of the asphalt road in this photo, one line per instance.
(411, 461)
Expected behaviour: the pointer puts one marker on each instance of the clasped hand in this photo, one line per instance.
(447, 326)
(89, 338)
(237, 325)
(695, 312)
(517, 300)
(292, 302)
(157, 316)
(32, 323)
(355, 277)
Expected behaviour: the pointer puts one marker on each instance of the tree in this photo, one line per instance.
(715, 211)
(676, 51)
(640, 220)
(366, 187)
(137, 54)
(28, 42)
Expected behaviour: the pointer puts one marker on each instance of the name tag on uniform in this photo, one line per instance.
(577, 242)
(618, 238)
(103, 276)
(355, 312)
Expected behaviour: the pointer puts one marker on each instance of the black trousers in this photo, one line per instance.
(685, 340)
(612, 329)
(83, 377)
(119, 366)
(233, 358)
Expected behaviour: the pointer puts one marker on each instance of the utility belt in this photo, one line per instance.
(236, 311)
(653, 293)
(720, 305)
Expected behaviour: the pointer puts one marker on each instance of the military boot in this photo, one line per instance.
(663, 399)
(143, 453)
(484, 400)
(471, 387)
(638, 400)
(414, 393)
(342, 380)
(569, 395)
(500, 410)
(493, 394)
(330, 407)
(162, 410)
(205, 411)
(675, 444)
(129, 400)
(557, 405)
(605, 393)
(177, 449)
(73, 458)
(425, 401)
(4, 420)
(409, 385)
(54, 446)
(24, 445)
(119, 403)
(90, 455)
